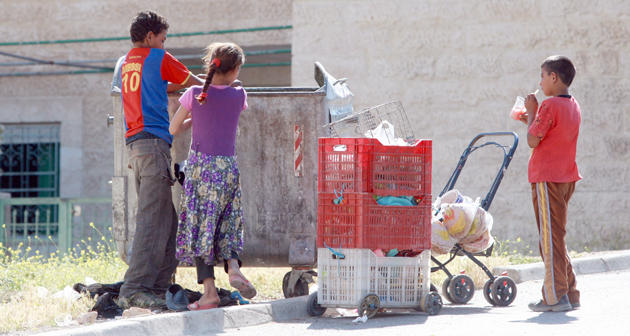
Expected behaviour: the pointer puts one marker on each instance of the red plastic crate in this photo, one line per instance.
(365, 165)
(360, 222)
(344, 164)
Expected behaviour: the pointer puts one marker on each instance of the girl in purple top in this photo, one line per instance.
(210, 228)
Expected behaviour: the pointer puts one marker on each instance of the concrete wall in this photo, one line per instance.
(82, 102)
(457, 67)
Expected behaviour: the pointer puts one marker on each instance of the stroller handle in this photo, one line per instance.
(507, 158)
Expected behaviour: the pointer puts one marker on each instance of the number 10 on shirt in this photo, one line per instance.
(133, 80)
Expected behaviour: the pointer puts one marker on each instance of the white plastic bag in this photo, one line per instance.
(458, 218)
(441, 240)
(463, 222)
(338, 102)
(386, 135)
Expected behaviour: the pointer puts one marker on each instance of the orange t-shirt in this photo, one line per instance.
(557, 123)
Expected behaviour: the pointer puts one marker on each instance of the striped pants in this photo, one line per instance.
(551, 201)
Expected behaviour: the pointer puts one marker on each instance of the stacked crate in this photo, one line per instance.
(351, 224)
(354, 170)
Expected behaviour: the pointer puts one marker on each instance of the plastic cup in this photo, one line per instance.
(518, 109)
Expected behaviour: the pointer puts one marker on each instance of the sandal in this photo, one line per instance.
(244, 287)
(196, 306)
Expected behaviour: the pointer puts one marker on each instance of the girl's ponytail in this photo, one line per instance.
(214, 65)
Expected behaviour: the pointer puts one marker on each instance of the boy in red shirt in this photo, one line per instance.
(552, 133)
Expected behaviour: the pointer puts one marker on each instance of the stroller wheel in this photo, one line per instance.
(461, 288)
(487, 292)
(503, 291)
(445, 291)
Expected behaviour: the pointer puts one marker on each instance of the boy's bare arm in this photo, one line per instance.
(192, 80)
(531, 104)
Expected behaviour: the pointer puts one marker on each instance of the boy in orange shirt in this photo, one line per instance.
(552, 133)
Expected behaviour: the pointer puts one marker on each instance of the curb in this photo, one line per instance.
(217, 320)
(605, 262)
(195, 322)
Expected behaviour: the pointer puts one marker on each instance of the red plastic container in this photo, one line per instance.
(365, 165)
(344, 164)
(360, 222)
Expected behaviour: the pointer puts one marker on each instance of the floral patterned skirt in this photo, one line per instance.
(211, 219)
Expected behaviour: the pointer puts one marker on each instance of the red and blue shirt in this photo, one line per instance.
(144, 76)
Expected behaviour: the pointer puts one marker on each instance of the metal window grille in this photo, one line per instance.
(29, 167)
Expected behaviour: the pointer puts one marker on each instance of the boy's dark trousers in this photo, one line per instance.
(551, 201)
(152, 260)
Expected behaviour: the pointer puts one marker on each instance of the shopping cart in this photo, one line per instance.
(351, 225)
(459, 289)
(363, 123)
(357, 278)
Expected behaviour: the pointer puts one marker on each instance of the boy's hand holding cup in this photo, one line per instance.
(518, 110)
(522, 105)
(531, 104)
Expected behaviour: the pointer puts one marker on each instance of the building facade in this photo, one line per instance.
(456, 66)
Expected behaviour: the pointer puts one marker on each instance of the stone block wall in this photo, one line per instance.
(82, 102)
(457, 67)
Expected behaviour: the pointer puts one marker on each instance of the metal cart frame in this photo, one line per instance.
(459, 289)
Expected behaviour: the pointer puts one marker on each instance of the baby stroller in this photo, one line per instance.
(459, 289)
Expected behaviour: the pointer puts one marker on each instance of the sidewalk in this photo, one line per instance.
(217, 320)
(194, 322)
(598, 262)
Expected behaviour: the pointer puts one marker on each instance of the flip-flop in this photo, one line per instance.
(245, 287)
(196, 306)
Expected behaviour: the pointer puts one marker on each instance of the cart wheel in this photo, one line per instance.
(369, 305)
(432, 303)
(300, 289)
(432, 289)
(312, 307)
(503, 291)
(487, 292)
(461, 288)
(445, 292)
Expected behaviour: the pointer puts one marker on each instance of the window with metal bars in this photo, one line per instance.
(29, 167)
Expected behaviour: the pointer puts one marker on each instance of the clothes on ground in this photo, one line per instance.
(211, 218)
(107, 294)
(215, 122)
(106, 307)
(97, 289)
(459, 219)
(553, 160)
(144, 77)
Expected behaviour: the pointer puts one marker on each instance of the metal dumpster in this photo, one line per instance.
(277, 156)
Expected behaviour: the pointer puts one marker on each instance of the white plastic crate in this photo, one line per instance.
(399, 282)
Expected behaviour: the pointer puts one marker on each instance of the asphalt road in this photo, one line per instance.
(605, 311)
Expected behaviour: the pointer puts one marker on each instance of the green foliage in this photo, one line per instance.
(516, 251)
(27, 278)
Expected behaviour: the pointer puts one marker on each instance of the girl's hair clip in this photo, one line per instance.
(201, 98)
(216, 62)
